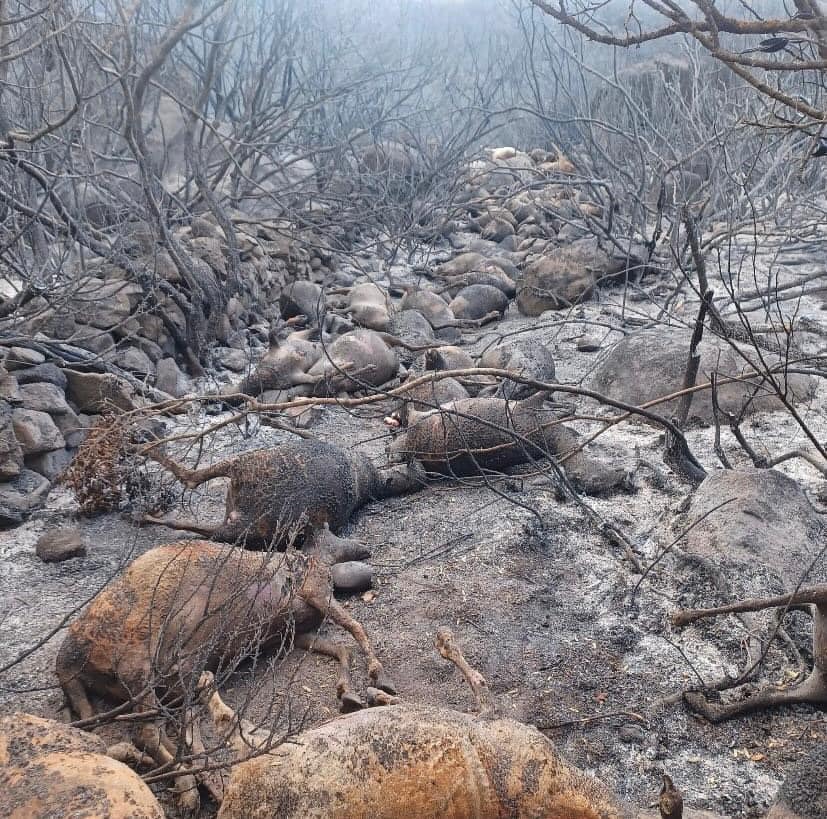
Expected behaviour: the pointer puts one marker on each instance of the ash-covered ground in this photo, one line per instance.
(568, 634)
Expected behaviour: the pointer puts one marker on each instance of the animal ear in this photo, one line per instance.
(668, 785)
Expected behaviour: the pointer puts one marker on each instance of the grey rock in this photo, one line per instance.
(235, 360)
(50, 464)
(19, 357)
(53, 323)
(72, 428)
(650, 364)
(11, 456)
(98, 392)
(36, 431)
(21, 496)
(110, 312)
(49, 373)
(57, 545)
(211, 251)
(106, 304)
(44, 397)
(234, 310)
(149, 348)
(9, 387)
(759, 531)
(152, 328)
(170, 379)
(589, 343)
(95, 341)
(135, 360)
(632, 734)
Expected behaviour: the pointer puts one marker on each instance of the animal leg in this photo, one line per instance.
(150, 738)
(191, 478)
(127, 753)
(212, 781)
(242, 736)
(445, 645)
(344, 687)
(812, 691)
(376, 697)
(480, 322)
(181, 523)
(75, 692)
(316, 593)
(332, 549)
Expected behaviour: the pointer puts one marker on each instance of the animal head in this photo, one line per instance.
(671, 800)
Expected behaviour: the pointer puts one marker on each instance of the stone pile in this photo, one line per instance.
(134, 326)
(534, 216)
(131, 331)
(45, 411)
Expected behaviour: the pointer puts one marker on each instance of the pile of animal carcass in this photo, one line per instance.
(165, 633)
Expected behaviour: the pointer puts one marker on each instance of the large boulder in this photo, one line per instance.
(764, 538)
(651, 364)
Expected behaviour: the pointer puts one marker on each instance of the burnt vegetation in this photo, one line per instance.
(492, 326)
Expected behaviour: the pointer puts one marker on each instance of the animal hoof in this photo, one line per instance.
(350, 702)
(206, 679)
(345, 550)
(378, 698)
(213, 784)
(353, 576)
(187, 799)
(385, 683)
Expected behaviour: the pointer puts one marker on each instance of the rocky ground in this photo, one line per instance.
(569, 635)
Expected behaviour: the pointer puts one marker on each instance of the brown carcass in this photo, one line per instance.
(356, 360)
(310, 485)
(474, 434)
(283, 366)
(185, 607)
(351, 361)
(404, 761)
